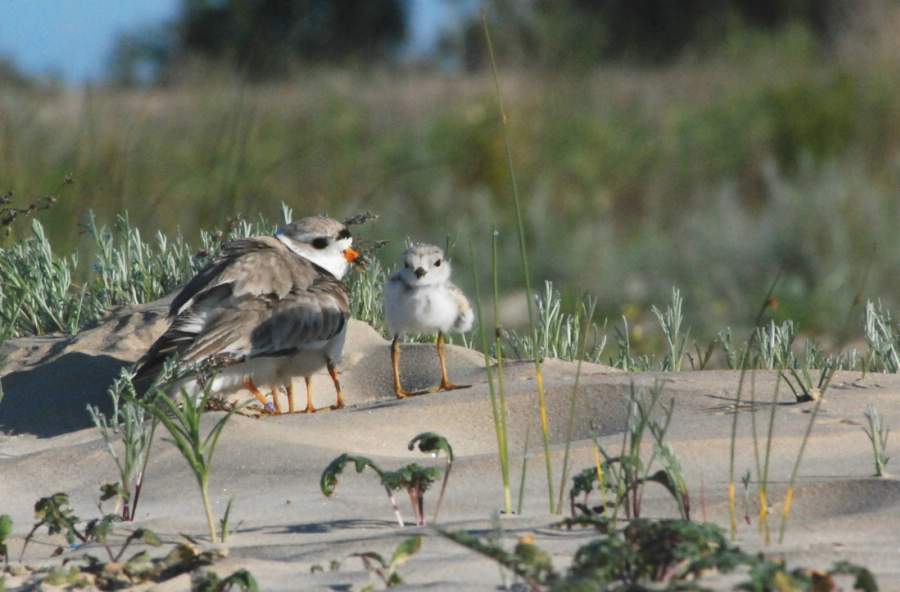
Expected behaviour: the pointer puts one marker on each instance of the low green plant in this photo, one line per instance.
(182, 422)
(416, 480)
(387, 569)
(432, 443)
(330, 475)
(210, 582)
(768, 575)
(877, 431)
(56, 515)
(5, 530)
(412, 478)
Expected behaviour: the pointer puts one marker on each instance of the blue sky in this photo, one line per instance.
(72, 38)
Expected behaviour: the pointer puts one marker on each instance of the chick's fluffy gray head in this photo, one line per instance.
(322, 240)
(425, 265)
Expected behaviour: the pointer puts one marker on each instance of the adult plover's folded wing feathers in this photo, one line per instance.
(254, 266)
(256, 300)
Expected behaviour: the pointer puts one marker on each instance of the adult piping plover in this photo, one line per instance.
(420, 298)
(266, 309)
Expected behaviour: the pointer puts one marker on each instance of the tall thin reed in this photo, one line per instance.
(764, 480)
(588, 318)
(789, 494)
(498, 350)
(732, 510)
(499, 427)
(523, 252)
(524, 471)
(743, 360)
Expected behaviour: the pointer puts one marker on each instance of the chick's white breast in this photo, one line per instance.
(418, 310)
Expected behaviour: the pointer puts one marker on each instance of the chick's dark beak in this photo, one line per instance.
(420, 272)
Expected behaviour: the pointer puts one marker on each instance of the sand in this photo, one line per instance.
(283, 525)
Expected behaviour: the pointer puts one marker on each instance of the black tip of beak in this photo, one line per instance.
(420, 272)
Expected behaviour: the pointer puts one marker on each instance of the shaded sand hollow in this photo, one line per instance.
(271, 466)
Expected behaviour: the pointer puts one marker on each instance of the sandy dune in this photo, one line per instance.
(271, 466)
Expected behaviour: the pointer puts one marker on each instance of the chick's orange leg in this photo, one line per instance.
(445, 385)
(395, 370)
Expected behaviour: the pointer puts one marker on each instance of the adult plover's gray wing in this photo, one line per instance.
(256, 300)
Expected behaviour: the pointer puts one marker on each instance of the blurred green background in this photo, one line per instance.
(703, 144)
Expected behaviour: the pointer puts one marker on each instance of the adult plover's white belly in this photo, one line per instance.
(263, 371)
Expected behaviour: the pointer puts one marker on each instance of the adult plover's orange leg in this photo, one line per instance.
(309, 402)
(395, 370)
(445, 385)
(290, 396)
(337, 384)
(248, 384)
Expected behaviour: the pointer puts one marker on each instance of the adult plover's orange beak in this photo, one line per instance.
(350, 255)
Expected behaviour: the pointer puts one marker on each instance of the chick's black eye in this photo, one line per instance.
(407, 265)
(320, 243)
(437, 263)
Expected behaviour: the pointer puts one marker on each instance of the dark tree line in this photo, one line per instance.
(263, 38)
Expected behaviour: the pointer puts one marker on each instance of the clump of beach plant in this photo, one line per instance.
(183, 424)
(882, 337)
(560, 334)
(676, 337)
(877, 430)
(768, 574)
(626, 474)
(652, 554)
(386, 569)
(137, 428)
(802, 385)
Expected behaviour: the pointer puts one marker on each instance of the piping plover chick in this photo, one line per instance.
(420, 298)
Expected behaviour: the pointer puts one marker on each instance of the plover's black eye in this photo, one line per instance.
(437, 263)
(343, 234)
(320, 243)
